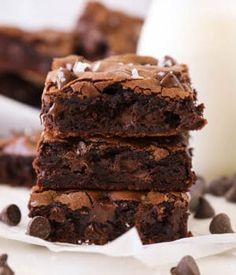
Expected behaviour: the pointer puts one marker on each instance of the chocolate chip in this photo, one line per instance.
(220, 186)
(170, 80)
(11, 215)
(187, 266)
(39, 227)
(204, 209)
(63, 77)
(221, 224)
(169, 61)
(4, 268)
(199, 187)
(193, 203)
(231, 194)
(3, 259)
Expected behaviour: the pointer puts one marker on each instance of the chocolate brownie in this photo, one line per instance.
(126, 96)
(13, 86)
(30, 53)
(99, 217)
(161, 164)
(103, 32)
(16, 156)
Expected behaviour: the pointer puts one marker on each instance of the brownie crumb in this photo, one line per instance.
(187, 266)
(221, 224)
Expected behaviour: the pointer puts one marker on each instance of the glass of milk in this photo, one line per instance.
(202, 34)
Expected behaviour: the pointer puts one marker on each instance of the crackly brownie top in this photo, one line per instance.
(20, 144)
(79, 199)
(141, 74)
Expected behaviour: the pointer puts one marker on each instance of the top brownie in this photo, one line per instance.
(126, 96)
(104, 32)
(30, 54)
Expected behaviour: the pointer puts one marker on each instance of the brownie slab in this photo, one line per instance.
(99, 217)
(103, 32)
(30, 54)
(125, 96)
(16, 156)
(15, 87)
(161, 164)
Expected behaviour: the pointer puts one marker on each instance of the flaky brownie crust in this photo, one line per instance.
(100, 217)
(16, 156)
(160, 164)
(124, 96)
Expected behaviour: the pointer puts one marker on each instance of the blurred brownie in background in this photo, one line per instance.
(13, 86)
(25, 58)
(16, 156)
(29, 54)
(103, 32)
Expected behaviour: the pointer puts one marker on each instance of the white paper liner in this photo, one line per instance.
(129, 244)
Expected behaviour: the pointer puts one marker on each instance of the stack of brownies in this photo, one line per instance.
(114, 152)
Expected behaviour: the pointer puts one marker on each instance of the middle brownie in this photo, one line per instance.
(160, 164)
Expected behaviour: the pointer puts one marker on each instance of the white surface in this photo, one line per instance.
(202, 34)
(201, 246)
(17, 116)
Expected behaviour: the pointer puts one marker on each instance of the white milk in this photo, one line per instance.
(202, 33)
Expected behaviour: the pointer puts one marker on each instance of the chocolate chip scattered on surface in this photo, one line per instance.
(4, 268)
(11, 215)
(231, 194)
(204, 209)
(39, 227)
(220, 186)
(221, 224)
(193, 203)
(187, 266)
(199, 188)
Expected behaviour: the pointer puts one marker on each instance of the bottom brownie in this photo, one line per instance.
(99, 217)
(16, 156)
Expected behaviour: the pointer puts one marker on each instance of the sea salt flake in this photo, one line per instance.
(61, 75)
(96, 66)
(80, 67)
(69, 66)
(135, 75)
